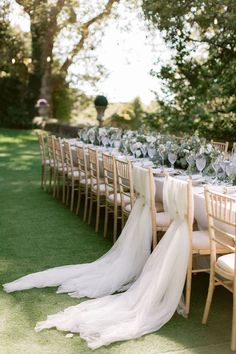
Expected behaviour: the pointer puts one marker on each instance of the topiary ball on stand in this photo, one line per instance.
(101, 104)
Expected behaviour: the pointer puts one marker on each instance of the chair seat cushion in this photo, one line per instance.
(226, 262)
(163, 219)
(128, 208)
(118, 198)
(84, 181)
(75, 174)
(201, 241)
(101, 187)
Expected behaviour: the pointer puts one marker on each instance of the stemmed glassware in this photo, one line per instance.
(231, 171)
(200, 163)
(162, 151)
(144, 149)
(151, 151)
(216, 167)
(190, 158)
(172, 157)
(133, 148)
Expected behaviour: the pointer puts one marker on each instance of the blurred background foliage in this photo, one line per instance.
(199, 82)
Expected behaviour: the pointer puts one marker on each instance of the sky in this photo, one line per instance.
(128, 59)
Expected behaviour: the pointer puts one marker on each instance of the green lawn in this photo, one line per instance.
(38, 232)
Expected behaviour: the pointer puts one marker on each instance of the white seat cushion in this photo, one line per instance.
(128, 207)
(83, 181)
(163, 219)
(226, 262)
(101, 187)
(75, 174)
(200, 240)
(112, 196)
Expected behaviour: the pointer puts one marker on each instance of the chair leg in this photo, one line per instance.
(43, 177)
(97, 214)
(54, 183)
(209, 298)
(67, 194)
(106, 220)
(50, 180)
(188, 284)
(85, 203)
(90, 209)
(115, 224)
(63, 189)
(72, 195)
(233, 336)
(79, 200)
(58, 184)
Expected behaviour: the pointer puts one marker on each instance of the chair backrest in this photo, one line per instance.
(222, 147)
(68, 159)
(110, 175)
(170, 193)
(94, 166)
(82, 163)
(125, 182)
(221, 213)
(42, 147)
(51, 151)
(58, 153)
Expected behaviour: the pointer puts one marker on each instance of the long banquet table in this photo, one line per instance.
(200, 214)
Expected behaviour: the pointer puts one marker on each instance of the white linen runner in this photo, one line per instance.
(114, 271)
(151, 301)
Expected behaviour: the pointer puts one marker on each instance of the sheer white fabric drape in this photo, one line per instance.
(151, 301)
(114, 271)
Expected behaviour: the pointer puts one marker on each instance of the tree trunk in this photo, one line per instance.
(40, 83)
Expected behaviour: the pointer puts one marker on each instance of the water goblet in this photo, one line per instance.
(200, 163)
(144, 149)
(172, 157)
(151, 151)
(216, 167)
(190, 158)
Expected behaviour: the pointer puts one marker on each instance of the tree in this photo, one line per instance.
(200, 82)
(73, 21)
(13, 73)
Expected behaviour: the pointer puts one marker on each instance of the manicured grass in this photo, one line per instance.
(38, 232)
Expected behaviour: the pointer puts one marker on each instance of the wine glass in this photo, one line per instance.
(172, 157)
(216, 167)
(162, 151)
(92, 137)
(105, 140)
(200, 163)
(144, 149)
(151, 151)
(190, 158)
(231, 171)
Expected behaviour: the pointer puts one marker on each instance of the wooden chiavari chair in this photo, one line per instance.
(72, 175)
(60, 168)
(222, 147)
(84, 179)
(97, 186)
(126, 187)
(221, 211)
(44, 161)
